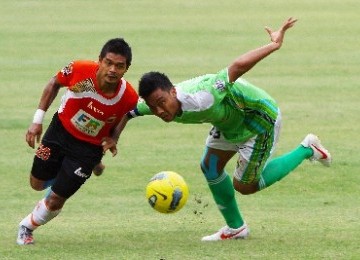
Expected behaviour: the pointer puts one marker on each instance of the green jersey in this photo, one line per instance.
(238, 110)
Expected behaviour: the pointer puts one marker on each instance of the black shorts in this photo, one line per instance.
(64, 158)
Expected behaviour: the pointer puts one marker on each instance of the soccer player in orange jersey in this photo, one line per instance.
(84, 127)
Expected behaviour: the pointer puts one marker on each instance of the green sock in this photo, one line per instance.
(224, 196)
(281, 166)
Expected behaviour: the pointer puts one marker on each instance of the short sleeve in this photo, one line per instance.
(65, 75)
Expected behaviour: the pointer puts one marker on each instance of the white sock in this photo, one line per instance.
(39, 216)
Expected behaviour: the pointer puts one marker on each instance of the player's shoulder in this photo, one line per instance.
(129, 86)
(78, 65)
(130, 90)
(84, 64)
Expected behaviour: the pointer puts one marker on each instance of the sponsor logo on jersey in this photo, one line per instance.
(67, 70)
(219, 85)
(93, 108)
(86, 123)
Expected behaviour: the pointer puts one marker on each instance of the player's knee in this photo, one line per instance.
(245, 189)
(208, 173)
(36, 184)
(203, 168)
(209, 168)
(54, 202)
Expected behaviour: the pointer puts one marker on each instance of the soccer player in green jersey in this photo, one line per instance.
(245, 121)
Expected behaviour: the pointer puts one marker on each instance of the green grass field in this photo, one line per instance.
(311, 214)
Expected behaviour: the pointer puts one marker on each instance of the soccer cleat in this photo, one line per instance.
(229, 233)
(321, 154)
(25, 236)
(99, 169)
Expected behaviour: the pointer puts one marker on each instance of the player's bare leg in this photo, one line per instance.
(245, 189)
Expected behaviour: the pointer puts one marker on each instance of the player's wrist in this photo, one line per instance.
(39, 116)
(274, 46)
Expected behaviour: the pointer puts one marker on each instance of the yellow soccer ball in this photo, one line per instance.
(167, 192)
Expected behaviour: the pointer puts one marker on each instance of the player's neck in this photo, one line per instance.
(108, 89)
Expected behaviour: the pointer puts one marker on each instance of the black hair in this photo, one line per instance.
(151, 81)
(117, 46)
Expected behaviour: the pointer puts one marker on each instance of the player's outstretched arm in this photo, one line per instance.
(34, 132)
(248, 60)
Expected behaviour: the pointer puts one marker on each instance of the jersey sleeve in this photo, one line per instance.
(65, 75)
(141, 110)
(75, 71)
(219, 85)
(224, 76)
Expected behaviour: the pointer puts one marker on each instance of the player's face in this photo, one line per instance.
(164, 104)
(111, 69)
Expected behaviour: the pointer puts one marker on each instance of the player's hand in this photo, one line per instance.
(109, 144)
(33, 134)
(278, 36)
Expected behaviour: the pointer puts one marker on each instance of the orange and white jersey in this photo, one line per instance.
(84, 111)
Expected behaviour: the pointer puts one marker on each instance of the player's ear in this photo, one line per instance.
(173, 92)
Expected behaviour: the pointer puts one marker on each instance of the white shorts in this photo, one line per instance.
(245, 150)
